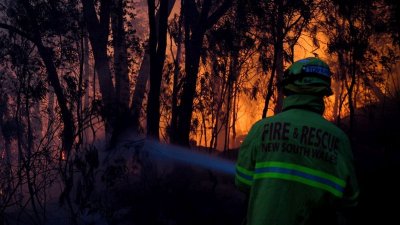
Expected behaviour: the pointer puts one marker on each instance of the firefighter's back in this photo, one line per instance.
(296, 165)
(300, 169)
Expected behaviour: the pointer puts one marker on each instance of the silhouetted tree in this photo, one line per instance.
(199, 17)
(98, 24)
(355, 29)
(28, 26)
(38, 45)
(281, 23)
(228, 47)
(144, 73)
(157, 47)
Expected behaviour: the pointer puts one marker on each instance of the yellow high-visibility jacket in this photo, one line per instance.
(296, 166)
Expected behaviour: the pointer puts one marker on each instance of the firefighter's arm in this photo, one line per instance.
(351, 190)
(246, 160)
(349, 201)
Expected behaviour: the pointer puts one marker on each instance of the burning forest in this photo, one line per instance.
(133, 111)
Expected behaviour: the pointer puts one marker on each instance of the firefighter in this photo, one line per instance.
(296, 166)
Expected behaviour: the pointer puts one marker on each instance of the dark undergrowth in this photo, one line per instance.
(376, 147)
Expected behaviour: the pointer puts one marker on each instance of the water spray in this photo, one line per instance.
(170, 154)
(187, 156)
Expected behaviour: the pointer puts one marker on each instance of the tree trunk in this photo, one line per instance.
(192, 61)
(157, 45)
(222, 111)
(122, 85)
(177, 70)
(235, 115)
(79, 107)
(336, 92)
(5, 141)
(47, 56)
(270, 88)
(66, 114)
(350, 93)
(139, 92)
(98, 29)
(87, 71)
(219, 87)
(143, 76)
(104, 75)
(279, 57)
(229, 105)
(120, 55)
(234, 71)
(196, 24)
(340, 77)
(353, 72)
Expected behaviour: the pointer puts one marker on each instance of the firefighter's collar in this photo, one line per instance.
(307, 102)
